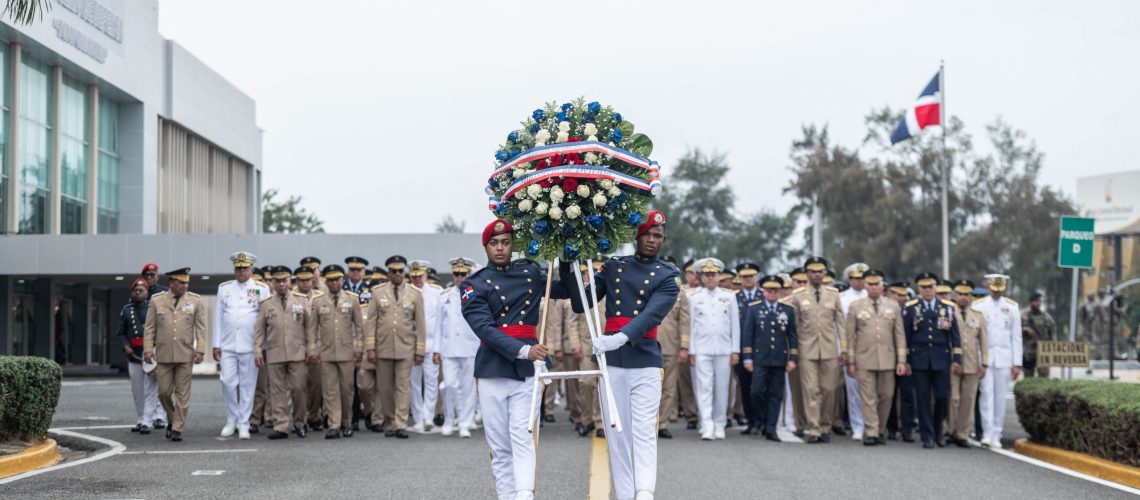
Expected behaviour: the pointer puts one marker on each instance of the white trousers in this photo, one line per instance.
(787, 414)
(633, 451)
(425, 390)
(144, 388)
(995, 385)
(239, 382)
(505, 404)
(459, 395)
(854, 404)
(711, 384)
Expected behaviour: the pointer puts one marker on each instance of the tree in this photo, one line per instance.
(26, 11)
(287, 217)
(449, 225)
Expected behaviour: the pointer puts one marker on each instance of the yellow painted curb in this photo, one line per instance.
(38, 456)
(1093, 466)
(599, 470)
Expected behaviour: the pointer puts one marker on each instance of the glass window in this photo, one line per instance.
(108, 166)
(73, 155)
(35, 143)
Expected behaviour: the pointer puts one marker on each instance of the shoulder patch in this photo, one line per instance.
(192, 294)
(320, 293)
(947, 302)
(911, 302)
(414, 287)
(299, 294)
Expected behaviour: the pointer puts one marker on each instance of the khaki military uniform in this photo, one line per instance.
(396, 329)
(876, 344)
(685, 378)
(313, 372)
(673, 335)
(571, 343)
(175, 330)
(339, 326)
(283, 335)
(557, 340)
(588, 402)
(819, 327)
(366, 388)
(964, 384)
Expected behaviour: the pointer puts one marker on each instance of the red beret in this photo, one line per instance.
(655, 218)
(495, 228)
(140, 282)
(149, 267)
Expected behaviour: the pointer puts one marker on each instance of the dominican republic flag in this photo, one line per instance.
(926, 111)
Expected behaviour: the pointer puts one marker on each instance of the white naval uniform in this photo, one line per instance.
(1003, 327)
(714, 337)
(234, 316)
(425, 377)
(458, 345)
(854, 404)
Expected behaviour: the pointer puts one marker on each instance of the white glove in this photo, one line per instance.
(607, 343)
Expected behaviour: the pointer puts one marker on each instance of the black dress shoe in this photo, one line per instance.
(144, 430)
(548, 418)
(600, 433)
(438, 421)
(962, 443)
(168, 433)
(799, 433)
(813, 440)
(316, 425)
(728, 424)
(880, 441)
(278, 435)
(839, 431)
(741, 421)
(691, 425)
(160, 424)
(664, 434)
(387, 434)
(893, 436)
(825, 438)
(346, 433)
(356, 425)
(299, 431)
(908, 438)
(773, 437)
(136, 428)
(401, 434)
(332, 434)
(756, 431)
(928, 444)
(376, 428)
(176, 436)
(746, 432)
(581, 430)
(871, 441)
(253, 429)
(941, 442)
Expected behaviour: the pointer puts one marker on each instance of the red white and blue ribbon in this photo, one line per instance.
(577, 172)
(580, 147)
(653, 185)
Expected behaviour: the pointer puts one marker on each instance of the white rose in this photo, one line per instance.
(591, 129)
(563, 126)
(592, 138)
(518, 172)
(525, 205)
(542, 136)
(562, 137)
(615, 191)
(521, 195)
(555, 213)
(556, 194)
(572, 212)
(541, 208)
(592, 158)
(606, 184)
(599, 200)
(583, 190)
(534, 191)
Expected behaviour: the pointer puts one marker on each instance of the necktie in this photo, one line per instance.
(816, 295)
(396, 293)
(336, 299)
(282, 302)
(875, 303)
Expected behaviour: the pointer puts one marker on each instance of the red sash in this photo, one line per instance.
(521, 332)
(615, 323)
(135, 342)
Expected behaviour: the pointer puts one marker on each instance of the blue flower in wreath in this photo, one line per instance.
(494, 183)
(593, 108)
(567, 230)
(513, 136)
(502, 155)
(502, 208)
(533, 128)
(560, 116)
(635, 218)
(567, 107)
(612, 204)
(615, 135)
(617, 117)
(604, 245)
(570, 252)
(538, 115)
(590, 119)
(541, 226)
(532, 248)
(595, 221)
(623, 196)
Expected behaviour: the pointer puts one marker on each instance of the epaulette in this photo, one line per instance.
(266, 298)
(476, 273)
(320, 293)
(435, 286)
(1007, 299)
(947, 302)
(911, 302)
(351, 294)
(693, 290)
(192, 294)
(374, 287)
(829, 287)
(414, 287)
(448, 289)
(224, 283)
(783, 300)
(299, 294)
(159, 294)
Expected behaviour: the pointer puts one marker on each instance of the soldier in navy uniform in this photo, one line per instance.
(150, 272)
(641, 290)
(501, 305)
(934, 351)
(770, 351)
(749, 292)
(144, 386)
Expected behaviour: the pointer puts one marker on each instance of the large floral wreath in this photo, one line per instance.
(574, 181)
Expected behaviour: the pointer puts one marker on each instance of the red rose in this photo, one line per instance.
(569, 184)
(573, 159)
(573, 139)
(557, 160)
(544, 183)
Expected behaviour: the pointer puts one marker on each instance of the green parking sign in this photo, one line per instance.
(1076, 242)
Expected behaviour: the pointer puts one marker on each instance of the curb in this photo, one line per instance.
(1093, 466)
(36, 457)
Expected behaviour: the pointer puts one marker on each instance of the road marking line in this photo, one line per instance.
(95, 427)
(73, 383)
(1068, 472)
(187, 452)
(599, 470)
(116, 448)
(207, 473)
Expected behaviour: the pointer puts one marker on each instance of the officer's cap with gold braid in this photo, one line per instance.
(418, 268)
(856, 271)
(873, 276)
(332, 272)
(997, 282)
(709, 265)
(311, 262)
(355, 262)
(816, 263)
(182, 275)
(829, 278)
(943, 287)
(964, 287)
(396, 264)
(281, 273)
(243, 259)
(926, 279)
(303, 273)
(266, 273)
(900, 287)
(688, 266)
(461, 265)
(787, 279)
(747, 269)
(771, 282)
(798, 274)
(379, 273)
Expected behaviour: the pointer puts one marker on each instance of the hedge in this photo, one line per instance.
(29, 391)
(1096, 417)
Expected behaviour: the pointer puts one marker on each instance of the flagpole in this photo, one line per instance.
(944, 118)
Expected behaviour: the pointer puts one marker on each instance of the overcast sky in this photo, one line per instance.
(384, 115)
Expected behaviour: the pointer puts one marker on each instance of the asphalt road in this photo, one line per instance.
(432, 466)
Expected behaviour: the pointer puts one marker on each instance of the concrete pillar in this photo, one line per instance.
(92, 223)
(55, 169)
(12, 197)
